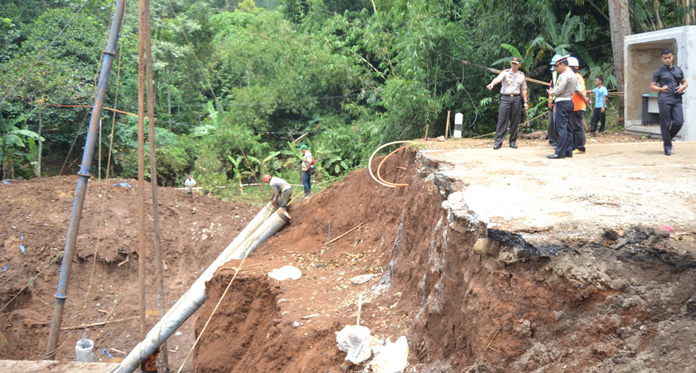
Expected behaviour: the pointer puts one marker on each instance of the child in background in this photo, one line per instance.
(599, 112)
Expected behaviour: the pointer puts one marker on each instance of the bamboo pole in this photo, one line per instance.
(447, 126)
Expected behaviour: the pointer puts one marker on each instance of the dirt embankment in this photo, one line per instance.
(35, 217)
(467, 298)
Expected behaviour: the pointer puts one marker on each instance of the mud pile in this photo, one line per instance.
(467, 298)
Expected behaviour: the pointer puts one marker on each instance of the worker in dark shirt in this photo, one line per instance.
(670, 82)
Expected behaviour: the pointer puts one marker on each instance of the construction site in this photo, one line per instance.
(483, 261)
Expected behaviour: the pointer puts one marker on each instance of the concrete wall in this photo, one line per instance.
(642, 58)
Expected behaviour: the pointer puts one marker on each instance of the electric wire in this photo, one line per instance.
(380, 167)
(369, 163)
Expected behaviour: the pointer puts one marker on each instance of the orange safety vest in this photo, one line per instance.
(578, 103)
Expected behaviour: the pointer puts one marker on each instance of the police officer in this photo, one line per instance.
(566, 86)
(551, 132)
(670, 82)
(513, 86)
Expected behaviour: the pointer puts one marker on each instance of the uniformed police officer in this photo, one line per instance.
(670, 82)
(513, 86)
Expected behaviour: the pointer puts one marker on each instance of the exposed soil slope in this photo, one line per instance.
(35, 215)
(467, 298)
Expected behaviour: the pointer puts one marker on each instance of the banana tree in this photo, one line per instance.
(13, 139)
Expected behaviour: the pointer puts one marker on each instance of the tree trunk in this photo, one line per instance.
(620, 28)
(38, 155)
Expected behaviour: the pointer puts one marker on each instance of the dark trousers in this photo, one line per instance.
(551, 133)
(564, 145)
(307, 182)
(598, 116)
(578, 129)
(509, 110)
(671, 120)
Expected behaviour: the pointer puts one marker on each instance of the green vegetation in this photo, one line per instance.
(239, 82)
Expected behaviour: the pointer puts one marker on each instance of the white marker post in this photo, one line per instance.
(458, 119)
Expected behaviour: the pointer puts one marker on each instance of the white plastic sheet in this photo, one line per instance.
(285, 272)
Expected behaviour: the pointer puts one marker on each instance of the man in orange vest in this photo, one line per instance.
(579, 106)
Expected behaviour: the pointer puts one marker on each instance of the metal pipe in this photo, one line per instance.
(87, 157)
(195, 296)
(269, 228)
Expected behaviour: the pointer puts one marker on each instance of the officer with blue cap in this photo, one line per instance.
(551, 132)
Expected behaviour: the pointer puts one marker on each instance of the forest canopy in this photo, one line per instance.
(240, 85)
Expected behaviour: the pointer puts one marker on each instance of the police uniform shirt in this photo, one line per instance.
(671, 77)
(566, 85)
(512, 84)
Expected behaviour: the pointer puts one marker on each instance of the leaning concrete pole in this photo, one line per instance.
(87, 156)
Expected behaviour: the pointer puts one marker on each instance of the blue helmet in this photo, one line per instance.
(555, 59)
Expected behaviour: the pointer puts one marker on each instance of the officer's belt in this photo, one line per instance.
(502, 95)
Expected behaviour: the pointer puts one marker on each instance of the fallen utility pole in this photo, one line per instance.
(496, 71)
(87, 157)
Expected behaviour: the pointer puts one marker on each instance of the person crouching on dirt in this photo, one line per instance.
(282, 191)
(307, 170)
(189, 184)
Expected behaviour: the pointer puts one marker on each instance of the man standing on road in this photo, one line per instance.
(307, 170)
(551, 132)
(189, 184)
(282, 191)
(670, 82)
(565, 87)
(577, 125)
(599, 114)
(513, 86)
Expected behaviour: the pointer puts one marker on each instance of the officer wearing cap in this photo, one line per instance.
(513, 91)
(670, 82)
(551, 132)
(566, 86)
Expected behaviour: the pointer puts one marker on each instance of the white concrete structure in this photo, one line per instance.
(642, 58)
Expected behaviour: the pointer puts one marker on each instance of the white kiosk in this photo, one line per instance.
(642, 54)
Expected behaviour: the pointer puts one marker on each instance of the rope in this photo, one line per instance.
(236, 271)
(104, 182)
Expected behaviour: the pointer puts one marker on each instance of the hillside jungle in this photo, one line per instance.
(240, 85)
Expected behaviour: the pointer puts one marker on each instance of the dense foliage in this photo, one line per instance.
(240, 85)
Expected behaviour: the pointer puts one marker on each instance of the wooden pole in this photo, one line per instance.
(153, 176)
(427, 126)
(141, 168)
(447, 126)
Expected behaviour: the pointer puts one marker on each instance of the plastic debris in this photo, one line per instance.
(178, 333)
(123, 185)
(357, 280)
(296, 324)
(5, 268)
(391, 358)
(5, 182)
(356, 341)
(310, 316)
(21, 246)
(284, 273)
(106, 352)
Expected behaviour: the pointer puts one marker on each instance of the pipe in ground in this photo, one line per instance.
(268, 229)
(195, 296)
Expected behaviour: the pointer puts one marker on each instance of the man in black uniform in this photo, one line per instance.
(513, 85)
(670, 82)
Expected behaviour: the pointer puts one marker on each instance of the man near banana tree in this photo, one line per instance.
(307, 170)
(512, 87)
